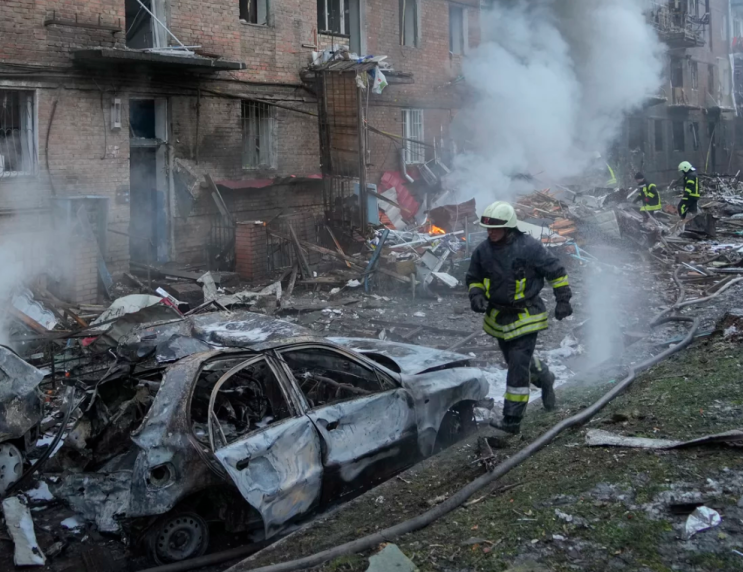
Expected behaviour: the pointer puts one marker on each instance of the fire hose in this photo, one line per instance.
(461, 496)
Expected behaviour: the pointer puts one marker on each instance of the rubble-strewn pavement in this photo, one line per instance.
(158, 430)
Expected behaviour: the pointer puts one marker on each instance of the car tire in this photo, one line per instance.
(178, 536)
(458, 423)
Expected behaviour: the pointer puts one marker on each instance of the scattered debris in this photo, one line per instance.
(702, 518)
(600, 438)
(21, 529)
(390, 559)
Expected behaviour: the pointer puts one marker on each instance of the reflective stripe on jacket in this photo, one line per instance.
(511, 274)
(650, 197)
(691, 186)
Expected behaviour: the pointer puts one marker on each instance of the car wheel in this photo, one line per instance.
(177, 537)
(458, 422)
(11, 466)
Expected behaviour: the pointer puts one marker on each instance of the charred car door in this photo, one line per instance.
(271, 453)
(366, 421)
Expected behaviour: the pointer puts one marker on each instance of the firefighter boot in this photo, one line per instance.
(548, 390)
(507, 424)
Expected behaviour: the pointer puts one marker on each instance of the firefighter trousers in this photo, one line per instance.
(687, 205)
(523, 369)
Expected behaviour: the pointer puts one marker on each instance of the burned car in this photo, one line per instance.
(20, 414)
(258, 436)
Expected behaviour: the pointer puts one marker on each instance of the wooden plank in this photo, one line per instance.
(463, 341)
(338, 245)
(303, 264)
(218, 200)
(292, 281)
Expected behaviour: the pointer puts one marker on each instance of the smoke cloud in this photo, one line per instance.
(553, 81)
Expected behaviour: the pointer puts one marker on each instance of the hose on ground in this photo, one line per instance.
(460, 497)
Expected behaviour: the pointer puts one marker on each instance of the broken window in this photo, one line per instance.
(678, 136)
(637, 133)
(711, 79)
(694, 74)
(254, 11)
(409, 23)
(677, 73)
(458, 41)
(333, 17)
(694, 128)
(17, 133)
(258, 124)
(327, 377)
(412, 131)
(251, 398)
(142, 28)
(659, 134)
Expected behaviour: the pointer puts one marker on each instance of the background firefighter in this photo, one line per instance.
(692, 193)
(649, 196)
(506, 275)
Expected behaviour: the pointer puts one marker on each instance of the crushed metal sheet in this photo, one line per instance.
(21, 529)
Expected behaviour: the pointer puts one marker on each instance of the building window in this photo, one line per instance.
(659, 135)
(142, 30)
(258, 125)
(694, 73)
(678, 136)
(333, 17)
(637, 133)
(694, 128)
(711, 79)
(254, 11)
(677, 73)
(409, 23)
(412, 130)
(458, 41)
(17, 133)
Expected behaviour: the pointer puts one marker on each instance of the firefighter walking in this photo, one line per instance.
(649, 196)
(506, 275)
(692, 193)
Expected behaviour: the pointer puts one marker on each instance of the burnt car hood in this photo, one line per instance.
(20, 402)
(409, 359)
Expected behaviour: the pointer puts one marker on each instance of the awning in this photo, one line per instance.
(134, 58)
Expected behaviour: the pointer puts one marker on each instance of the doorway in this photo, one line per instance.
(148, 132)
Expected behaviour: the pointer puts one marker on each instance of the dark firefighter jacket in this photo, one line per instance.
(691, 185)
(512, 274)
(650, 197)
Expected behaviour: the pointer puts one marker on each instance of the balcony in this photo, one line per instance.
(677, 28)
(684, 98)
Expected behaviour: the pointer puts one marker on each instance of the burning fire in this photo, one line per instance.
(436, 230)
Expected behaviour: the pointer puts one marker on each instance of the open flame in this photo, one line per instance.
(436, 230)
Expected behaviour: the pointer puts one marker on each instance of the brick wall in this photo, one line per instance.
(251, 250)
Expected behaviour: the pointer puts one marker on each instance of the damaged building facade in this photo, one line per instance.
(692, 117)
(119, 109)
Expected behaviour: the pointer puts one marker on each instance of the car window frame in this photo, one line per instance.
(359, 359)
(291, 404)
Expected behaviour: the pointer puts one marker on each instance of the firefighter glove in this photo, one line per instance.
(563, 310)
(479, 303)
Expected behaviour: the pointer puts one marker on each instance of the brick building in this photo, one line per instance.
(692, 118)
(97, 98)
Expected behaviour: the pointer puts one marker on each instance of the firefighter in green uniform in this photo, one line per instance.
(688, 203)
(649, 196)
(506, 275)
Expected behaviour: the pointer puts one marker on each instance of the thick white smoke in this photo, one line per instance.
(553, 80)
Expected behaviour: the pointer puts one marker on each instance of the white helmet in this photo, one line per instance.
(499, 215)
(685, 167)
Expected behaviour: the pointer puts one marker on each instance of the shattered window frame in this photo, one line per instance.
(458, 40)
(18, 133)
(659, 125)
(413, 128)
(694, 128)
(258, 135)
(333, 17)
(255, 12)
(385, 382)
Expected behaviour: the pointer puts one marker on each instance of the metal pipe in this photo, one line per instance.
(460, 497)
(404, 166)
